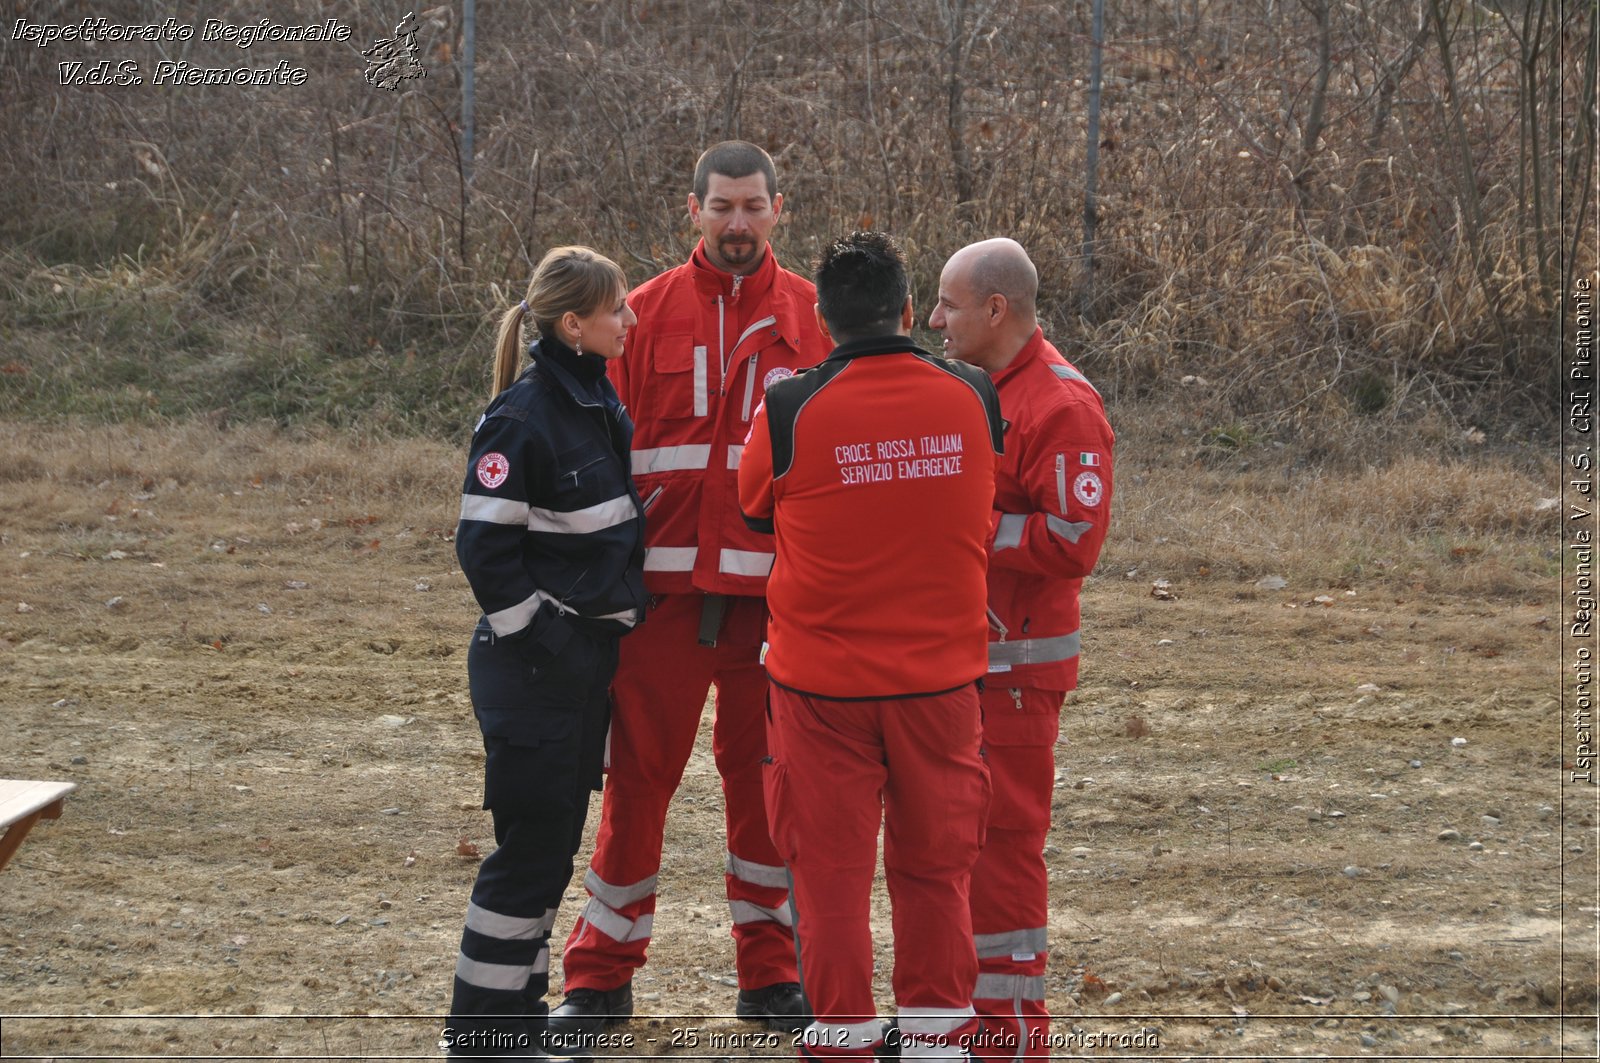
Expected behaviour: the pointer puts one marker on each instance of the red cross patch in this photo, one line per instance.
(1088, 489)
(493, 468)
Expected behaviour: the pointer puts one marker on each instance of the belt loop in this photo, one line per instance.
(711, 609)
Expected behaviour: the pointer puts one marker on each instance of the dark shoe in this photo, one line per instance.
(782, 1007)
(585, 1013)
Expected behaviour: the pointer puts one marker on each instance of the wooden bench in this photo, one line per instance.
(24, 802)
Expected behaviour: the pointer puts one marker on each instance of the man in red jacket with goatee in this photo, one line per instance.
(712, 333)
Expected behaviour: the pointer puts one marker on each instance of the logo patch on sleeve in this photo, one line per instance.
(493, 468)
(774, 376)
(1088, 489)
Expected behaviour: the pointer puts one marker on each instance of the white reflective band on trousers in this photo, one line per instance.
(613, 924)
(757, 874)
(842, 1035)
(619, 896)
(503, 976)
(669, 459)
(1035, 651)
(509, 927)
(514, 619)
(744, 912)
(921, 1030)
(601, 911)
(1014, 944)
(1009, 987)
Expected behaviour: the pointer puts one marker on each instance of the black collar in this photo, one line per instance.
(870, 345)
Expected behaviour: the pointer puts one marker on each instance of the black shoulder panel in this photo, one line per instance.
(784, 402)
(979, 382)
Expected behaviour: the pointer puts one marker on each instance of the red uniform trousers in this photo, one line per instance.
(838, 770)
(1010, 886)
(657, 698)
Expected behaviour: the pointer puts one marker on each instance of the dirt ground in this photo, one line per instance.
(1285, 827)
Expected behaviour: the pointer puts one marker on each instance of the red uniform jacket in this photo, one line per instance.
(705, 344)
(876, 470)
(1052, 504)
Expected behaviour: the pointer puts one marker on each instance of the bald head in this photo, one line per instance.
(986, 309)
(1000, 267)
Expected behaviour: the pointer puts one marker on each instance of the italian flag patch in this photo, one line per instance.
(1088, 459)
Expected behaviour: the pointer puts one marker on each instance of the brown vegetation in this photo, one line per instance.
(1319, 209)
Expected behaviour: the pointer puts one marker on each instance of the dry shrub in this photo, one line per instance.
(1355, 269)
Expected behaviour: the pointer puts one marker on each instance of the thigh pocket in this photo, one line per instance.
(526, 779)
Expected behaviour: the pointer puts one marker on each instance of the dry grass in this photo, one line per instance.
(1453, 522)
(349, 280)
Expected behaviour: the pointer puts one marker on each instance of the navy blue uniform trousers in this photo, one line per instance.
(544, 725)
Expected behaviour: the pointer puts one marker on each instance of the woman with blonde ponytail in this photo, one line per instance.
(551, 540)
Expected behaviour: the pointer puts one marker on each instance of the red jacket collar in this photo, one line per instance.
(1031, 350)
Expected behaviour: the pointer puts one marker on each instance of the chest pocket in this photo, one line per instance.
(680, 386)
(585, 476)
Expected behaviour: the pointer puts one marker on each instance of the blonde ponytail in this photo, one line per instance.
(508, 348)
(574, 278)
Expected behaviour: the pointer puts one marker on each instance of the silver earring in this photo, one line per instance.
(580, 347)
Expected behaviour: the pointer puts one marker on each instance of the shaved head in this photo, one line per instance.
(986, 308)
(1000, 267)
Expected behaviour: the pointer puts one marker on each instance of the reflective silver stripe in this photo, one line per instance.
(742, 563)
(1007, 987)
(1011, 942)
(770, 319)
(935, 1022)
(1009, 534)
(1071, 531)
(514, 619)
(619, 896)
(735, 455)
(518, 616)
(757, 874)
(750, 385)
(618, 928)
(700, 400)
(1061, 483)
(509, 927)
(745, 912)
(1035, 651)
(842, 1035)
(669, 559)
(493, 510)
(668, 459)
(511, 977)
(1066, 372)
(593, 518)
